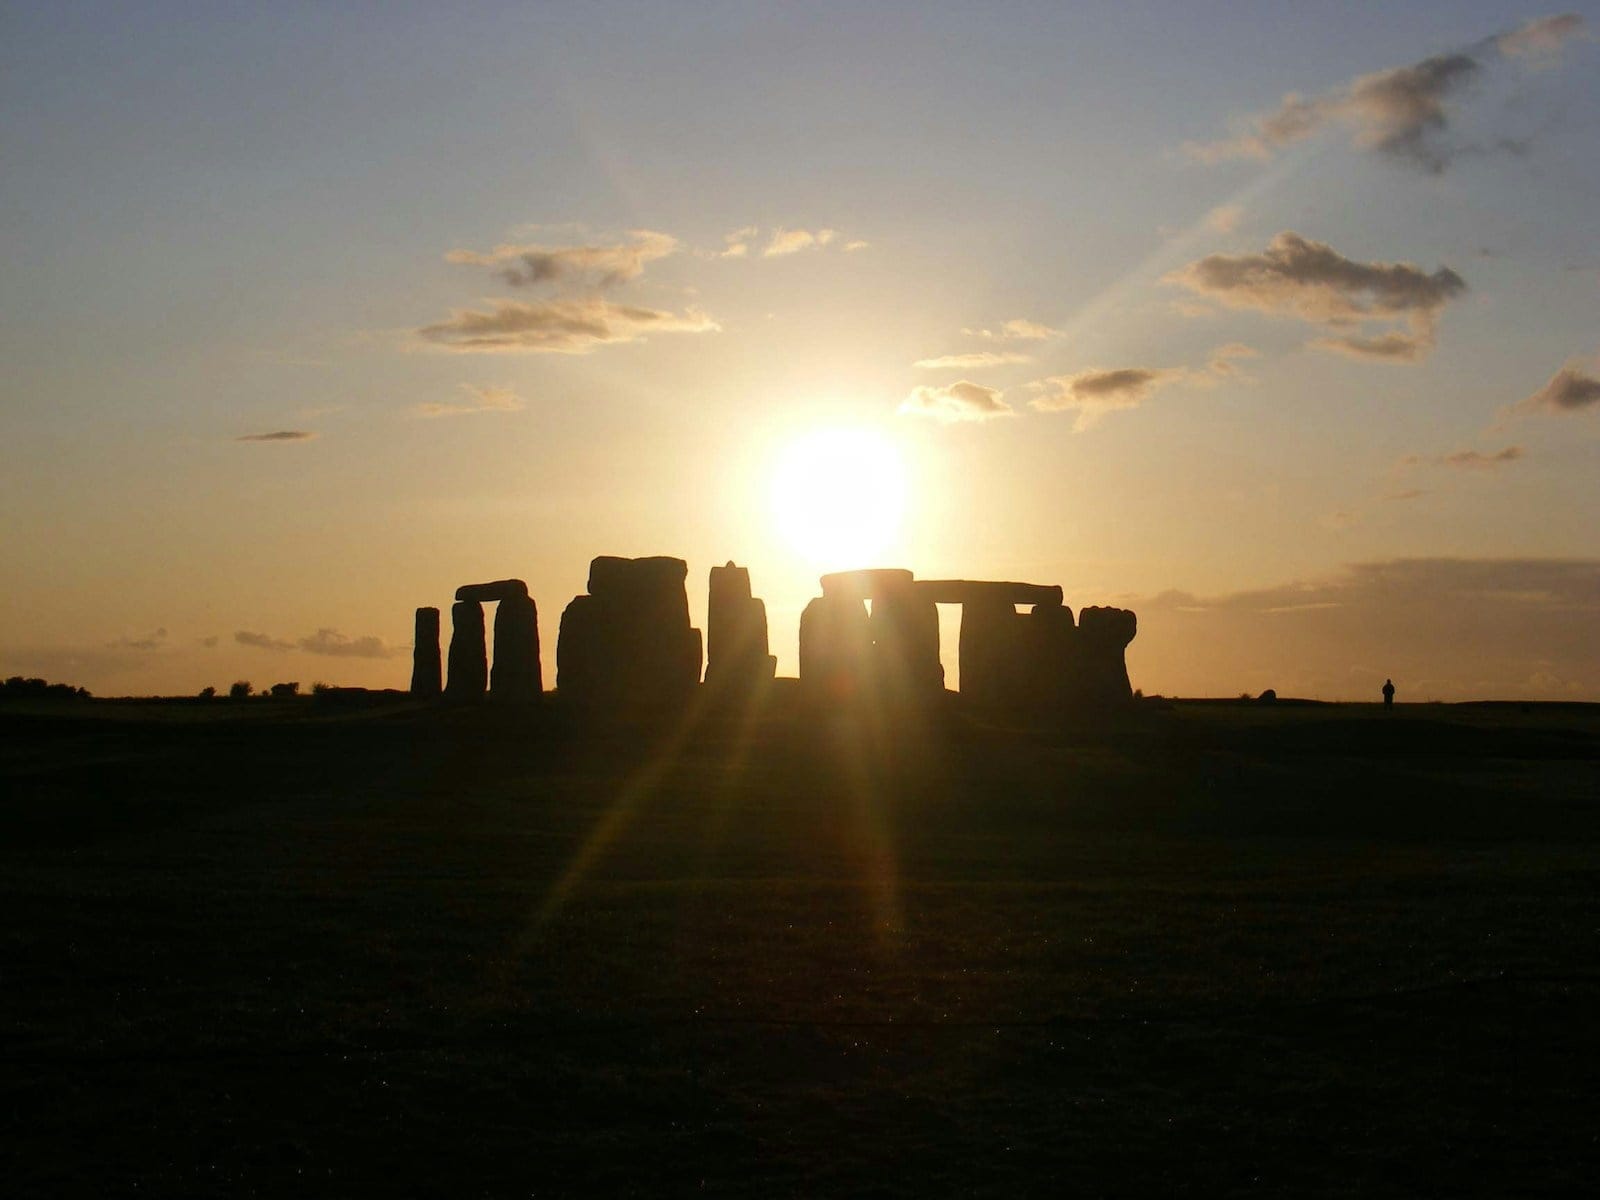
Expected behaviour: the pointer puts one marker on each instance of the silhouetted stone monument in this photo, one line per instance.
(629, 642)
(425, 674)
(469, 660)
(516, 674)
(1103, 636)
(489, 593)
(736, 633)
(998, 649)
(891, 655)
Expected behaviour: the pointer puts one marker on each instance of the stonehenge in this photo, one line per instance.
(736, 633)
(425, 673)
(1037, 660)
(872, 637)
(517, 674)
(468, 676)
(890, 653)
(628, 643)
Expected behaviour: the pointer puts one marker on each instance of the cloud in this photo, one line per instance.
(1388, 347)
(1407, 494)
(737, 243)
(858, 244)
(281, 435)
(1402, 112)
(963, 401)
(604, 265)
(210, 643)
(261, 641)
(558, 326)
(328, 642)
(792, 241)
(1017, 329)
(1443, 628)
(1475, 460)
(334, 644)
(479, 400)
(150, 641)
(1297, 277)
(1222, 361)
(1540, 38)
(1224, 218)
(1096, 392)
(967, 362)
(1570, 390)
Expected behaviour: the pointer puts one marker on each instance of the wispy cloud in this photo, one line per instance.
(558, 326)
(1402, 112)
(792, 241)
(969, 362)
(737, 243)
(1570, 390)
(261, 641)
(1224, 218)
(1094, 393)
(328, 642)
(1223, 362)
(1478, 461)
(280, 435)
(1473, 459)
(155, 640)
(334, 644)
(1017, 329)
(1540, 38)
(602, 264)
(478, 400)
(1311, 281)
(963, 401)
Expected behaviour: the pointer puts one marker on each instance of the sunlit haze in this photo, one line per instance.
(1279, 330)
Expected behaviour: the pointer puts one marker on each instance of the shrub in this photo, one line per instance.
(282, 690)
(240, 690)
(208, 693)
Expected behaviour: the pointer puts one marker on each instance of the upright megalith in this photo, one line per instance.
(628, 643)
(1102, 668)
(469, 659)
(835, 649)
(736, 632)
(425, 673)
(890, 655)
(516, 674)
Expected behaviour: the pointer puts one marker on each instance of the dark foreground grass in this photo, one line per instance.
(1217, 949)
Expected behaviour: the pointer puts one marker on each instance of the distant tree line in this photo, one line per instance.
(17, 688)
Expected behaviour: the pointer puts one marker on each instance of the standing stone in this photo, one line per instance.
(1103, 636)
(835, 649)
(736, 632)
(993, 651)
(517, 674)
(469, 659)
(905, 646)
(425, 655)
(629, 643)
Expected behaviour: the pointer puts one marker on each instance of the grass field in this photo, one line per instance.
(1217, 948)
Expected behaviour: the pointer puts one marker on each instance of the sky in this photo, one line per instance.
(1277, 324)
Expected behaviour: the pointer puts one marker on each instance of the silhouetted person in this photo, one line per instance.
(1388, 693)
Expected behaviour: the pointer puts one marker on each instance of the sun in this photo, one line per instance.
(838, 496)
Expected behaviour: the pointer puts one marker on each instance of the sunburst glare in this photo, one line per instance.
(838, 496)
